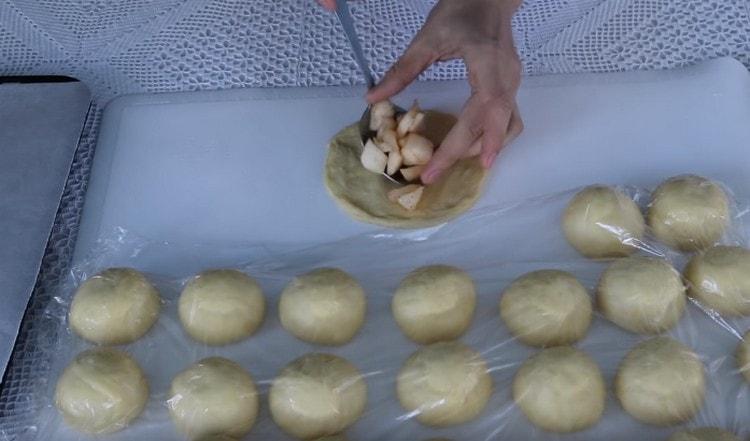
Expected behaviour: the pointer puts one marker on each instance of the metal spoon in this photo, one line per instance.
(345, 17)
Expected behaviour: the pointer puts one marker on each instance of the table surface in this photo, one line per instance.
(245, 166)
(181, 181)
(39, 129)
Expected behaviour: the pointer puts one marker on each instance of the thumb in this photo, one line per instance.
(412, 63)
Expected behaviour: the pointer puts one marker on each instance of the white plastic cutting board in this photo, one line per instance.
(244, 166)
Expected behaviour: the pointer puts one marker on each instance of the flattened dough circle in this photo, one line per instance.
(364, 195)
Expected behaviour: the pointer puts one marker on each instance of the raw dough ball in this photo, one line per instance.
(546, 308)
(213, 396)
(221, 306)
(101, 391)
(317, 395)
(602, 221)
(642, 294)
(661, 382)
(743, 356)
(364, 195)
(560, 390)
(720, 279)
(703, 434)
(688, 212)
(325, 306)
(444, 384)
(116, 306)
(434, 303)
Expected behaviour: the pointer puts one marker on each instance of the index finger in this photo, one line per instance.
(413, 62)
(467, 129)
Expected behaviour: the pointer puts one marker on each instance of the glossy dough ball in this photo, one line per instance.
(703, 434)
(213, 396)
(101, 391)
(219, 307)
(444, 384)
(688, 213)
(317, 395)
(661, 382)
(560, 390)
(326, 306)
(642, 294)
(116, 306)
(603, 222)
(720, 279)
(546, 308)
(434, 303)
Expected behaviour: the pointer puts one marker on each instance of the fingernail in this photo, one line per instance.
(488, 160)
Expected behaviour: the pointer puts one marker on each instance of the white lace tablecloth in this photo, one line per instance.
(126, 46)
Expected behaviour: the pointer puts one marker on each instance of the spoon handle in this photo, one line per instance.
(345, 17)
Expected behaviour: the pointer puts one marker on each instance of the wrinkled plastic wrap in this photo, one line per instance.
(494, 245)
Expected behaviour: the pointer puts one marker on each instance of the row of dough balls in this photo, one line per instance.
(315, 396)
(687, 213)
(433, 303)
(218, 307)
(319, 395)
(542, 308)
(643, 295)
(325, 306)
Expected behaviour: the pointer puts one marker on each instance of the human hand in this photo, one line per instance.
(479, 32)
(328, 4)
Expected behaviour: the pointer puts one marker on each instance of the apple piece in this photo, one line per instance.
(375, 122)
(383, 109)
(407, 196)
(388, 137)
(418, 123)
(382, 122)
(416, 149)
(385, 129)
(380, 114)
(388, 123)
(396, 193)
(372, 158)
(412, 173)
(383, 146)
(406, 121)
(395, 160)
(411, 200)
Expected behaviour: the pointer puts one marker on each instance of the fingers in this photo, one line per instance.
(495, 77)
(483, 128)
(515, 127)
(496, 124)
(328, 4)
(468, 129)
(413, 62)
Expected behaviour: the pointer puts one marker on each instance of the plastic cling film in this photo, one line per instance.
(689, 212)
(411, 388)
